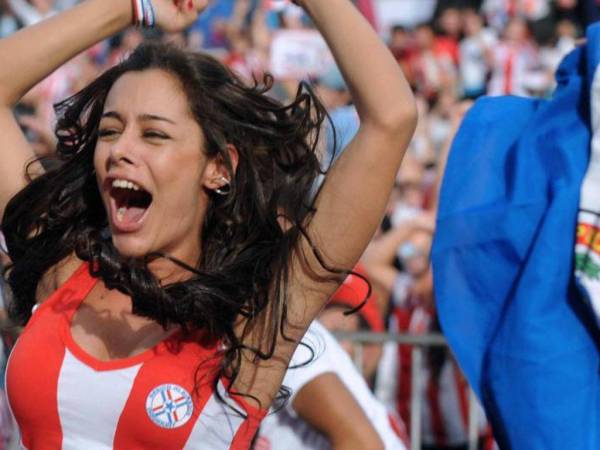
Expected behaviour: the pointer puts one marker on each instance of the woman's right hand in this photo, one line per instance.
(176, 15)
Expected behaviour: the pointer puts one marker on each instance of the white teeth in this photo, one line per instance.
(121, 213)
(124, 184)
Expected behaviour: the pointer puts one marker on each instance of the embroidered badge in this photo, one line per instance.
(169, 406)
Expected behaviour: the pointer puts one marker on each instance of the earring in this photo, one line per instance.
(225, 189)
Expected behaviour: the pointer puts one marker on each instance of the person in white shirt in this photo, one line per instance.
(331, 406)
(475, 54)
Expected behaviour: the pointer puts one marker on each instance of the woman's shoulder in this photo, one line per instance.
(56, 276)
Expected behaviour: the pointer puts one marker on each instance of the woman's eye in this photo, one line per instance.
(155, 135)
(105, 132)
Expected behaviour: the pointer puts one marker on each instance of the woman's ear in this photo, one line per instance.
(217, 175)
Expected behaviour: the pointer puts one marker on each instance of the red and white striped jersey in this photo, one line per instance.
(514, 70)
(63, 398)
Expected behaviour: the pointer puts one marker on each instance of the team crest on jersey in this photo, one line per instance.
(169, 406)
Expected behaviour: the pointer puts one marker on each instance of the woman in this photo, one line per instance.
(176, 255)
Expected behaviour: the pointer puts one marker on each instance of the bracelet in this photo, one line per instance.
(143, 13)
(149, 17)
(137, 12)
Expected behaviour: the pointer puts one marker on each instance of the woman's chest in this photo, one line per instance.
(64, 398)
(105, 328)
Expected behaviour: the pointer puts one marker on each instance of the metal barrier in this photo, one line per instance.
(418, 344)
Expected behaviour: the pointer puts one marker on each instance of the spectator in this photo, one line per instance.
(500, 12)
(331, 406)
(408, 198)
(245, 57)
(439, 118)
(449, 27)
(435, 64)
(444, 390)
(475, 55)
(402, 46)
(515, 63)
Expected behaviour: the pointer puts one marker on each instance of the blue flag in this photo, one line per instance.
(517, 320)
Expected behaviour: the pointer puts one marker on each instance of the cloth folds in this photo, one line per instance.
(522, 327)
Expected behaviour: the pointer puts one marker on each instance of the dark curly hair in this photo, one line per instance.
(245, 250)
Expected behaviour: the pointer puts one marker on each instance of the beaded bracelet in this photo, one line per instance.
(143, 13)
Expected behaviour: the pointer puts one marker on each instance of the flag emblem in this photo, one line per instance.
(169, 406)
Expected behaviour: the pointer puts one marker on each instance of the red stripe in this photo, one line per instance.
(368, 10)
(245, 433)
(437, 420)
(32, 385)
(403, 394)
(508, 69)
(247, 430)
(489, 439)
(399, 429)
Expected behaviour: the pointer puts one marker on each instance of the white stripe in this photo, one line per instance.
(90, 403)
(449, 399)
(216, 426)
(427, 433)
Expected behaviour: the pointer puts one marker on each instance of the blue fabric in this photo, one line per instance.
(503, 263)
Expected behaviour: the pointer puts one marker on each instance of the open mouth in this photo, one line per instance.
(130, 202)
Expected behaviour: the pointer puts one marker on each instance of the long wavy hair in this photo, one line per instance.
(245, 250)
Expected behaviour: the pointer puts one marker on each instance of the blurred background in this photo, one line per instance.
(452, 51)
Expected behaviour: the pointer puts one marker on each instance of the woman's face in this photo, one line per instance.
(151, 167)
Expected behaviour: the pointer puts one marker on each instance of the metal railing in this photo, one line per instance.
(418, 344)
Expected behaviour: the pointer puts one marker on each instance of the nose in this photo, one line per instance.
(122, 150)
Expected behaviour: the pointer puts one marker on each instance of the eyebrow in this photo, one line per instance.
(142, 117)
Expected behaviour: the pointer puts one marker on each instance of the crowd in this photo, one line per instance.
(452, 52)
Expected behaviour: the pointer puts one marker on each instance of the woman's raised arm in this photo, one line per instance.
(355, 193)
(31, 54)
(352, 200)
